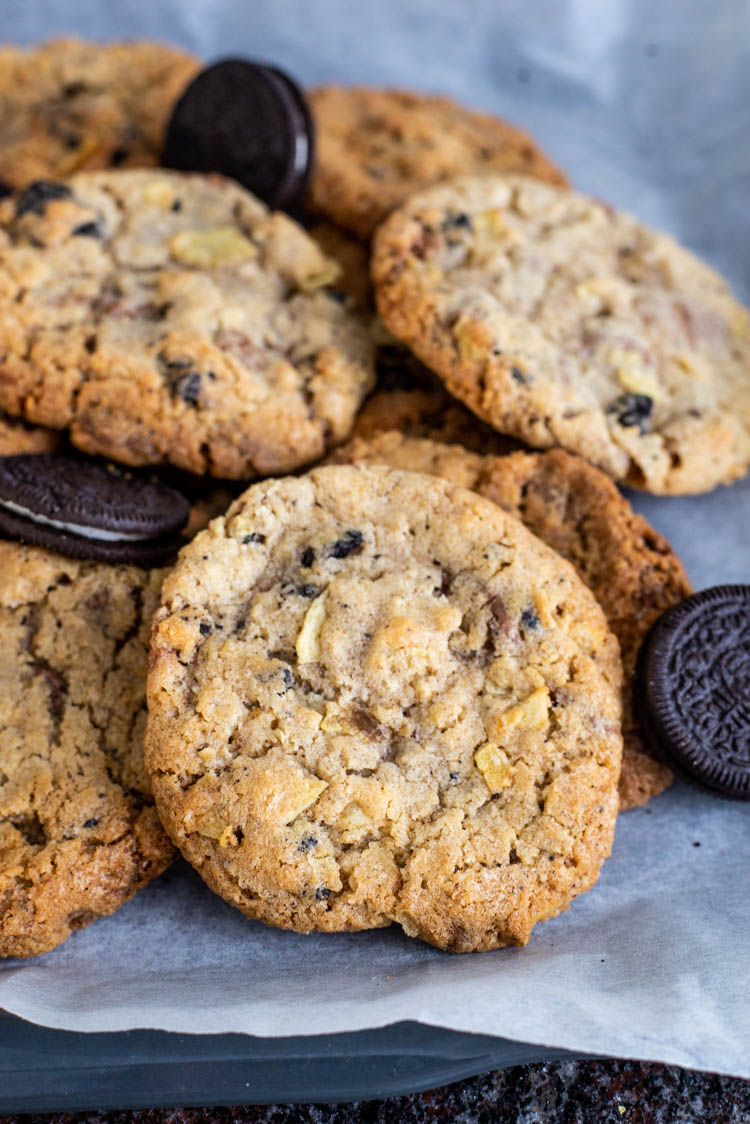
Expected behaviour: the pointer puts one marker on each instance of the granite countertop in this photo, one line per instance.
(584, 1092)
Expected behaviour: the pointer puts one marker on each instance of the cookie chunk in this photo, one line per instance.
(17, 436)
(375, 697)
(563, 322)
(577, 510)
(68, 105)
(79, 834)
(164, 317)
(377, 147)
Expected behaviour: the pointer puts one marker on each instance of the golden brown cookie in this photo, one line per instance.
(68, 106)
(79, 834)
(377, 147)
(564, 322)
(170, 318)
(576, 509)
(375, 697)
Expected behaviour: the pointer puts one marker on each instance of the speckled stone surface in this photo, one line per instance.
(586, 1092)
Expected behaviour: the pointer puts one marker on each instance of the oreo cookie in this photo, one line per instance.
(250, 122)
(693, 689)
(88, 510)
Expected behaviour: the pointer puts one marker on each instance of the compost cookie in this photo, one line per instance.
(164, 317)
(410, 398)
(376, 147)
(247, 121)
(577, 510)
(375, 697)
(68, 106)
(563, 322)
(79, 834)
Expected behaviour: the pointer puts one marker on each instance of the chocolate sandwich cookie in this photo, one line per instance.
(563, 322)
(247, 121)
(409, 398)
(87, 510)
(694, 689)
(578, 511)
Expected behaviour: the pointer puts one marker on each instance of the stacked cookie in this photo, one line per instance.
(394, 688)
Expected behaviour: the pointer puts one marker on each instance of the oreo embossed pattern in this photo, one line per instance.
(694, 672)
(84, 509)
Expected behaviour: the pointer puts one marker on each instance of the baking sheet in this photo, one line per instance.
(649, 106)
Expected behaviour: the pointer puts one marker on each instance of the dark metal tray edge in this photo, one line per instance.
(46, 1070)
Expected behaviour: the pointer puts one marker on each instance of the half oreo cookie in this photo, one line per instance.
(250, 122)
(693, 689)
(85, 509)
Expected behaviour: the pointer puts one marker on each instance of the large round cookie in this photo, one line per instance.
(375, 697)
(169, 317)
(377, 147)
(577, 510)
(564, 322)
(79, 834)
(68, 105)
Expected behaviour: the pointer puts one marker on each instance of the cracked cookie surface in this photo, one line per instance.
(577, 510)
(68, 106)
(163, 317)
(376, 147)
(375, 697)
(79, 834)
(563, 322)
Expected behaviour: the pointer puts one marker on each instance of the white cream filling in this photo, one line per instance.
(301, 148)
(76, 528)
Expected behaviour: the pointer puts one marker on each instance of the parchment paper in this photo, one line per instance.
(649, 106)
